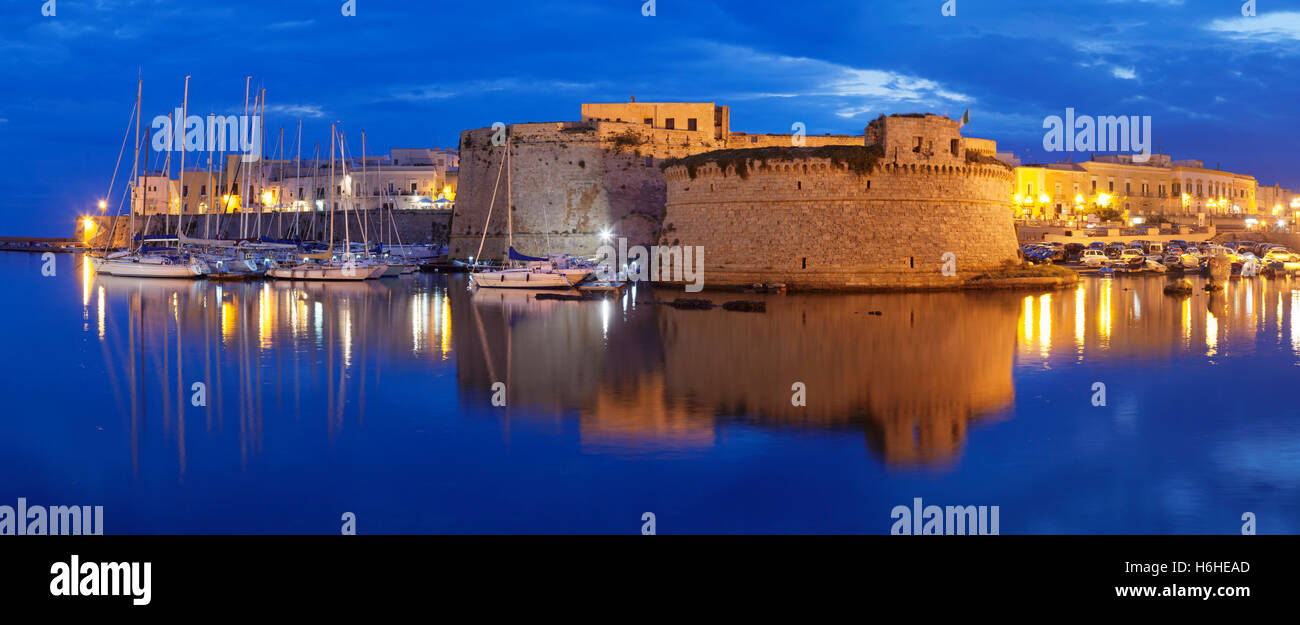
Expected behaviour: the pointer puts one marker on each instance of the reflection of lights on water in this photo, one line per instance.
(345, 323)
(1137, 306)
(265, 320)
(446, 326)
(1045, 324)
(100, 306)
(419, 321)
(1103, 311)
(87, 278)
(1080, 318)
(319, 313)
(1211, 334)
(605, 307)
(1295, 322)
(1027, 331)
(1187, 321)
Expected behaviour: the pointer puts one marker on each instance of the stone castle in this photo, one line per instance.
(883, 214)
(871, 211)
(571, 181)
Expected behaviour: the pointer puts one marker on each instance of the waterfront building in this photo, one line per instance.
(404, 179)
(1155, 190)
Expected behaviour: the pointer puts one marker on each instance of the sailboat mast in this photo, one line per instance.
(261, 169)
(207, 217)
(343, 164)
(297, 177)
(135, 163)
(239, 175)
(363, 187)
(510, 207)
(185, 114)
(167, 165)
(332, 143)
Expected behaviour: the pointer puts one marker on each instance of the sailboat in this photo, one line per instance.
(324, 265)
(528, 272)
(144, 262)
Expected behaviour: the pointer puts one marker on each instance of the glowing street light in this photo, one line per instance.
(103, 206)
(606, 235)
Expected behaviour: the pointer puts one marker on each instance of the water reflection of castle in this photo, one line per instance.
(640, 375)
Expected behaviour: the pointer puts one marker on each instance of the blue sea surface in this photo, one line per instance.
(188, 407)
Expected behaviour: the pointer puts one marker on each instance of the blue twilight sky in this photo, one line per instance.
(1218, 86)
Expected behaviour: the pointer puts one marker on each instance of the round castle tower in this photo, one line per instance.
(880, 216)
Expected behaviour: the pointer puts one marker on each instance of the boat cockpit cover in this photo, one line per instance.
(515, 255)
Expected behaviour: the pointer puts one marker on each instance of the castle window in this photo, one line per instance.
(919, 141)
(185, 190)
(649, 121)
(670, 123)
(753, 139)
(955, 146)
(1110, 184)
(799, 185)
(690, 124)
(868, 185)
(203, 189)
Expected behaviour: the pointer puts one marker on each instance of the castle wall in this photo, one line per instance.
(569, 182)
(814, 224)
(742, 140)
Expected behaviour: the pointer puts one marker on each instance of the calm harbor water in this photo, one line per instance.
(376, 398)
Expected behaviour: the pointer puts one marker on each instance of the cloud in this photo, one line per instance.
(420, 93)
(1123, 73)
(290, 25)
(853, 111)
(1266, 28)
(297, 110)
(798, 76)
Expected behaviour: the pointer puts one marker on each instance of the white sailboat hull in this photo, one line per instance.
(520, 279)
(328, 272)
(132, 268)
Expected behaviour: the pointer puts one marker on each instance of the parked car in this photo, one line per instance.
(1093, 257)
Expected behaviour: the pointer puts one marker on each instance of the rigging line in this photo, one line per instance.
(490, 205)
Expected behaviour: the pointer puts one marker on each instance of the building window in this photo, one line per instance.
(1094, 187)
(300, 193)
(185, 190)
(917, 147)
(670, 123)
(690, 124)
(413, 188)
(1110, 186)
(203, 189)
(954, 146)
(649, 121)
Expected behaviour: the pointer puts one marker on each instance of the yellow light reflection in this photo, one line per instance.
(446, 326)
(1103, 312)
(1045, 324)
(1295, 322)
(265, 317)
(1080, 317)
(1211, 334)
(1027, 332)
(1187, 321)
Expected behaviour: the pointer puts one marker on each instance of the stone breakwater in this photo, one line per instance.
(841, 218)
